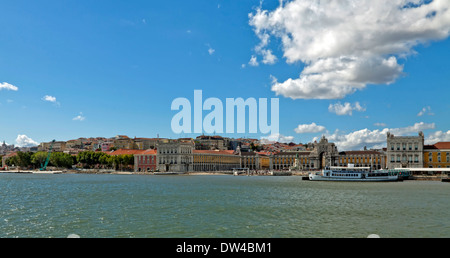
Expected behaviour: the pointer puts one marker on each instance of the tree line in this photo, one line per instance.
(85, 159)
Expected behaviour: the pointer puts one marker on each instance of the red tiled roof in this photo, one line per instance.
(442, 145)
(148, 152)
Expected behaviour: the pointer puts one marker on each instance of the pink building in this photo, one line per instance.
(145, 161)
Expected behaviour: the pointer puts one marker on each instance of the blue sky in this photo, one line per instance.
(71, 69)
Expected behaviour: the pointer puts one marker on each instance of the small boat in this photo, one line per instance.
(352, 174)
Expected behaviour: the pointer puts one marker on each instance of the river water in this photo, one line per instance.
(113, 206)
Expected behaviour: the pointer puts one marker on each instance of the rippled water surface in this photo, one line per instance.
(218, 206)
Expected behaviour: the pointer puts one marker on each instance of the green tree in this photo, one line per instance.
(38, 159)
(12, 161)
(104, 160)
(86, 159)
(24, 159)
(59, 159)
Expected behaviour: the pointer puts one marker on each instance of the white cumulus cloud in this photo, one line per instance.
(309, 128)
(49, 98)
(346, 45)
(377, 138)
(7, 86)
(25, 141)
(438, 136)
(345, 109)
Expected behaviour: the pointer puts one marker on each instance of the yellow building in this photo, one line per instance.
(363, 158)
(215, 160)
(437, 155)
(285, 160)
(264, 161)
(255, 160)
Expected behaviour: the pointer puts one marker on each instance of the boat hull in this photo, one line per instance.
(373, 179)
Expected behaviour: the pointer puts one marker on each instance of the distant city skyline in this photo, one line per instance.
(349, 71)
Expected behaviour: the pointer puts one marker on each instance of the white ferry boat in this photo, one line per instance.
(352, 174)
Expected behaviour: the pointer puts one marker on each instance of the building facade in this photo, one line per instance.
(405, 151)
(365, 158)
(205, 142)
(175, 156)
(437, 155)
(283, 160)
(145, 161)
(215, 160)
(59, 146)
(123, 142)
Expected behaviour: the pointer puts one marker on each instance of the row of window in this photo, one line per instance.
(175, 151)
(400, 159)
(147, 159)
(346, 175)
(430, 159)
(404, 146)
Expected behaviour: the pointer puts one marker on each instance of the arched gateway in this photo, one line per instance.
(324, 154)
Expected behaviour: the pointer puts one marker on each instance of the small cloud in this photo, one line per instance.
(309, 128)
(49, 98)
(188, 31)
(346, 109)
(7, 86)
(9, 100)
(380, 124)
(144, 21)
(25, 141)
(210, 49)
(80, 117)
(253, 61)
(425, 111)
